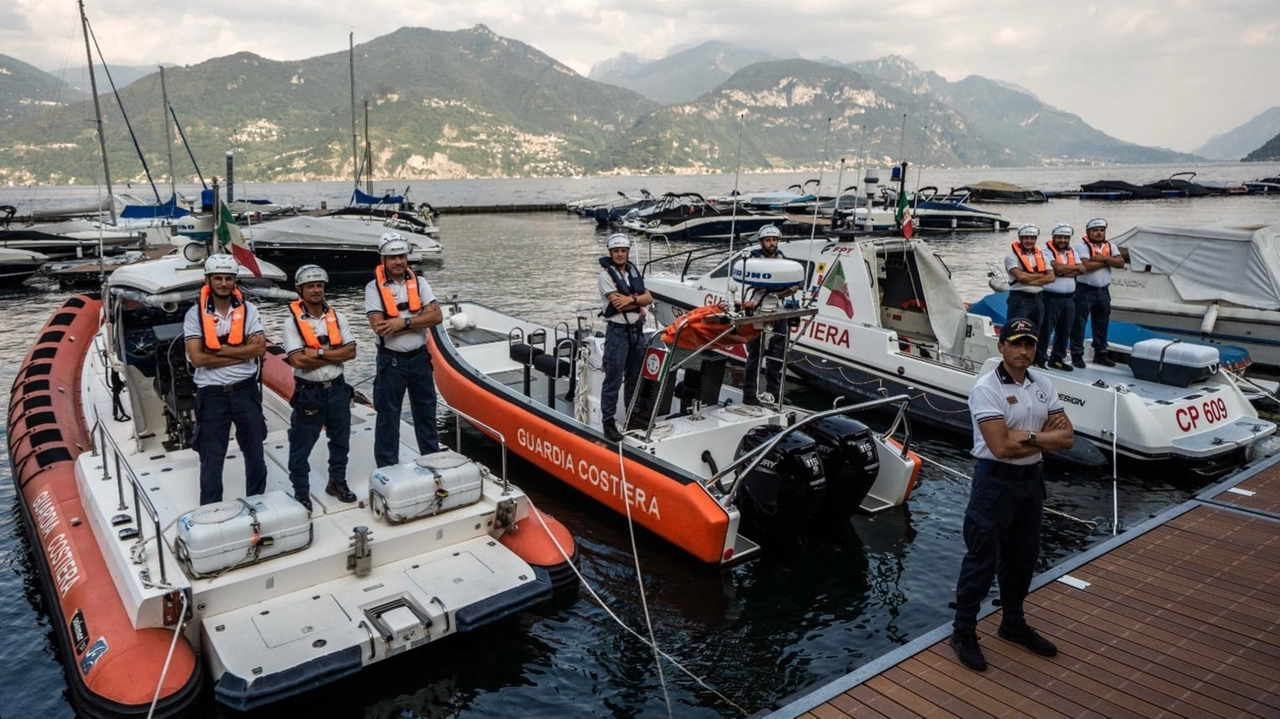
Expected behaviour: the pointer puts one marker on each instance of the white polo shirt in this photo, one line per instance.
(1060, 284)
(1097, 278)
(292, 342)
(222, 376)
(997, 398)
(400, 341)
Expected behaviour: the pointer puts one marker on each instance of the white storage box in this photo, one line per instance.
(1172, 362)
(217, 537)
(431, 484)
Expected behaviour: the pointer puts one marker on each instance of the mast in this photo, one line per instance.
(368, 153)
(97, 113)
(168, 132)
(351, 63)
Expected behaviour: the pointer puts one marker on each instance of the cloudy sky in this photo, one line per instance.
(1157, 72)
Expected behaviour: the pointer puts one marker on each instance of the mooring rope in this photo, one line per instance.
(1048, 510)
(177, 632)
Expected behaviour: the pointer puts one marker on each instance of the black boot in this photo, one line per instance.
(1100, 357)
(965, 644)
(611, 432)
(341, 491)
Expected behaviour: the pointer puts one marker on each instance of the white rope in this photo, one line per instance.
(177, 632)
(594, 595)
(644, 601)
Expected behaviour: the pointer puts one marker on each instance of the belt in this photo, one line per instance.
(405, 355)
(233, 387)
(637, 323)
(996, 468)
(299, 383)
(1060, 295)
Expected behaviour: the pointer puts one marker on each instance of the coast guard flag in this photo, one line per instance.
(903, 216)
(232, 241)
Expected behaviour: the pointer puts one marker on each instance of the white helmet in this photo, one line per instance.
(1062, 229)
(1096, 223)
(221, 265)
(1028, 230)
(310, 273)
(618, 241)
(769, 231)
(392, 244)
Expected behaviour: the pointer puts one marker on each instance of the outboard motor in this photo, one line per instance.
(850, 463)
(780, 496)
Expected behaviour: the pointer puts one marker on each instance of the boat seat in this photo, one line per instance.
(525, 354)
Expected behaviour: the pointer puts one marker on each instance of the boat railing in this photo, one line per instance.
(749, 460)
(502, 440)
(141, 501)
(690, 256)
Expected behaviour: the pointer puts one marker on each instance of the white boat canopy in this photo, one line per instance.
(1240, 265)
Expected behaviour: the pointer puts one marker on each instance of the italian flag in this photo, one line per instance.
(232, 242)
(903, 215)
(839, 289)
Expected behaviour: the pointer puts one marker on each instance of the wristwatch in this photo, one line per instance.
(1031, 438)
(320, 353)
(408, 322)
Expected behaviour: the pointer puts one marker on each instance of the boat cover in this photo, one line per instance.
(362, 198)
(1224, 263)
(169, 208)
(947, 314)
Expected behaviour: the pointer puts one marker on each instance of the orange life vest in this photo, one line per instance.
(389, 308)
(1070, 259)
(208, 320)
(1037, 268)
(304, 327)
(1094, 250)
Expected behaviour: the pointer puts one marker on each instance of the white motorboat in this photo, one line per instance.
(709, 474)
(73, 239)
(1215, 283)
(18, 265)
(156, 596)
(890, 321)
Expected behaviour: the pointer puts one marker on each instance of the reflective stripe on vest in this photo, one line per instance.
(308, 334)
(1038, 268)
(208, 320)
(389, 308)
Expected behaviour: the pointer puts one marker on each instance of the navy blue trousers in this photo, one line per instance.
(623, 353)
(772, 365)
(314, 408)
(217, 408)
(1092, 303)
(1001, 539)
(1059, 321)
(396, 375)
(1027, 305)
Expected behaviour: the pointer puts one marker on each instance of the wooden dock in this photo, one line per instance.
(1177, 617)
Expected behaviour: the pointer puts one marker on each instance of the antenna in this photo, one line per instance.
(813, 229)
(733, 219)
(902, 135)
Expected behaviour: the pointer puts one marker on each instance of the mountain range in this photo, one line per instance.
(472, 103)
(1244, 139)
(1269, 152)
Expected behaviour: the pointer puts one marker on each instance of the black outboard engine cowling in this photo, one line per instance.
(850, 463)
(783, 492)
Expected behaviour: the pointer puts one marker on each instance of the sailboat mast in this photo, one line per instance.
(168, 132)
(351, 63)
(97, 113)
(368, 153)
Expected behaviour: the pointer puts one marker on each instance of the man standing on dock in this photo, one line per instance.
(400, 307)
(1059, 299)
(318, 340)
(1093, 292)
(225, 343)
(1016, 415)
(1028, 274)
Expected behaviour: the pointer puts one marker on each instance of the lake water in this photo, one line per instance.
(799, 616)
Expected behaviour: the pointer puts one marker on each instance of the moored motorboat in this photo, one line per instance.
(890, 321)
(347, 244)
(17, 266)
(712, 475)
(153, 595)
(1000, 193)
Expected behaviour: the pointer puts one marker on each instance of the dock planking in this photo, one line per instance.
(1180, 618)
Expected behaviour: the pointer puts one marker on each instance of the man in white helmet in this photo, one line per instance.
(1093, 292)
(768, 237)
(401, 306)
(625, 297)
(1059, 300)
(1028, 274)
(225, 343)
(317, 340)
